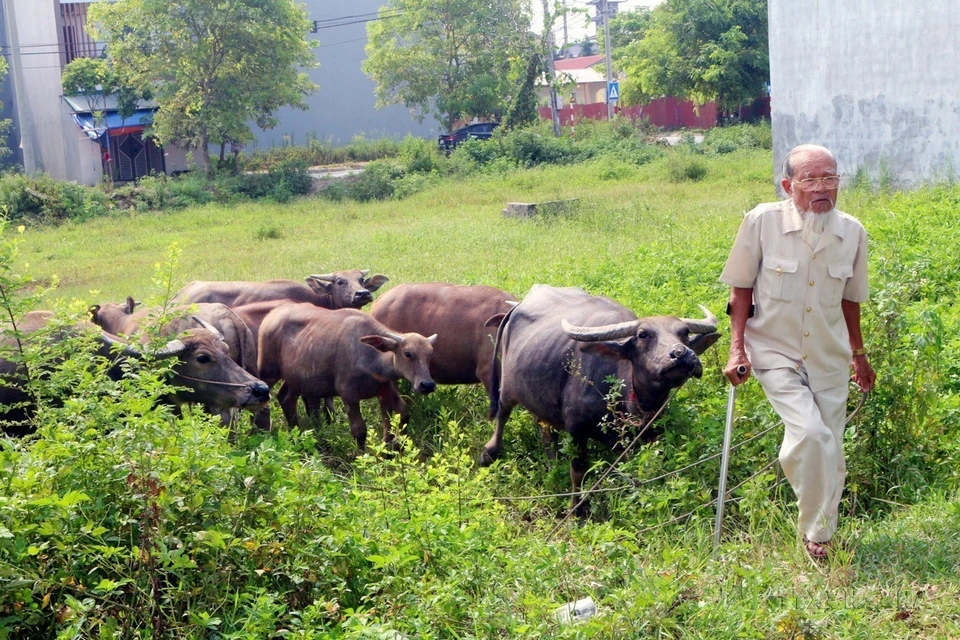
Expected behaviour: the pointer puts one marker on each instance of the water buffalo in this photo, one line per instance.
(460, 315)
(558, 351)
(204, 369)
(320, 353)
(126, 320)
(339, 290)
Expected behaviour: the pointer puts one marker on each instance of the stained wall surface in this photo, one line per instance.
(876, 81)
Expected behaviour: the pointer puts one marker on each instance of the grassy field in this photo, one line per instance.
(290, 535)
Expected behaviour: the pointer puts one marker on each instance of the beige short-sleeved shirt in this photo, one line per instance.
(797, 291)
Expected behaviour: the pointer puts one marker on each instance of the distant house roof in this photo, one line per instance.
(583, 62)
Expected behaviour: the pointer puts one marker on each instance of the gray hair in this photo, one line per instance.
(787, 169)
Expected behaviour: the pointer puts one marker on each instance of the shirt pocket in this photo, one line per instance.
(780, 277)
(832, 292)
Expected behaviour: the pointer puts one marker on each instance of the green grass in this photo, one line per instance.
(452, 233)
(355, 547)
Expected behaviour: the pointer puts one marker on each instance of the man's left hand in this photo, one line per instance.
(863, 374)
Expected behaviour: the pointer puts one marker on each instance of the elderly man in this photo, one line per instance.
(798, 270)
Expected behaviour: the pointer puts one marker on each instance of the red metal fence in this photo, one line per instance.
(668, 113)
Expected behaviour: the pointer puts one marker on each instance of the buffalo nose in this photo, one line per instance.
(362, 296)
(678, 351)
(426, 386)
(260, 391)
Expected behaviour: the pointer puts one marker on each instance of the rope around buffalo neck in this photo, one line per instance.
(216, 382)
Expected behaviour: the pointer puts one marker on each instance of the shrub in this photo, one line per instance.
(42, 199)
(741, 136)
(683, 166)
(376, 182)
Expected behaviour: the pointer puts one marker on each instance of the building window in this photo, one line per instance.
(77, 43)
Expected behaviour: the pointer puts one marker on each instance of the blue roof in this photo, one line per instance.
(140, 117)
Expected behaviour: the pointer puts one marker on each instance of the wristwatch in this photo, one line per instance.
(859, 352)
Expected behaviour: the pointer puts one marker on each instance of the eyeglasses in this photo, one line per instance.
(810, 184)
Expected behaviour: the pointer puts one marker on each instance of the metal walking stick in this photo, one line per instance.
(725, 459)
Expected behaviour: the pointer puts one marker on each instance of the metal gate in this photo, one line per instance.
(133, 157)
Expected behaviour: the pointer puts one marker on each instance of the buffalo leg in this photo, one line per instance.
(358, 428)
(288, 402)
(390, 403)
(494, 447)
(578, 469)
(322, 409)
(261, 419)
(548, 436)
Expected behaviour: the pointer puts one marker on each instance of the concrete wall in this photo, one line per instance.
(876, 81)
(45, 127)
(344, 106)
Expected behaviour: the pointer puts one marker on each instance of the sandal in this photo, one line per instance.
(817, 550)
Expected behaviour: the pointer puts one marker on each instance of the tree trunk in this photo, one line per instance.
(205, 154)
(223, 148)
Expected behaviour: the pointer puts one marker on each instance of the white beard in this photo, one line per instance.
(813, 224)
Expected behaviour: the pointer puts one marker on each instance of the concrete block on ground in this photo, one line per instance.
(534, 209)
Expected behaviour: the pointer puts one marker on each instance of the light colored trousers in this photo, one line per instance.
(811, 455)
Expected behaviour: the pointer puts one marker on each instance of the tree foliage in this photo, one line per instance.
(702, 50)
(453, 59)
(212, 65)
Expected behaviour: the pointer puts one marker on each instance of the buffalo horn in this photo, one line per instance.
(173, 348)
(128, 350)
(597, 334)
(396, 337)
(707, 325)
(364, 272)
(324, 277)
(209, 327)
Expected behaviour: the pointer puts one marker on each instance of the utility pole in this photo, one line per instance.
(606, 8)
(548, 60)
(606, 45)
(566, 39)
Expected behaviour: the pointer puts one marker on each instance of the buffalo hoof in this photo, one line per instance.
(488, 457)
(582, 512)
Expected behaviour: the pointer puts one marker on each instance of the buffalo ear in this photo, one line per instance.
(373, 283)
(320, 286)
(495, 320)
(131, 304)
(613, 349)
(94, 311)
(380, 343)
(703, 341)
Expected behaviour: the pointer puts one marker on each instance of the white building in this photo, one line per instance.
(876, 81)
(56, 135)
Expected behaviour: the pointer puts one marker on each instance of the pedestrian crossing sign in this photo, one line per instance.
(613, 91)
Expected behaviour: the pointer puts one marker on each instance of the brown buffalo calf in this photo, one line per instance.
(321, 353)
(350, 289)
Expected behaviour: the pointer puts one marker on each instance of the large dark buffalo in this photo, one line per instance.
(320, 353)
(558, 351)
(350, 289)
(459, 315)
(204, 369)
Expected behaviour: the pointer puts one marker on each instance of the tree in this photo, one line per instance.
(448, 58)
(625, 27)
(701, 50)
(212, 66)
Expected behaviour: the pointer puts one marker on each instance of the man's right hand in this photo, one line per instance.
(737, 361)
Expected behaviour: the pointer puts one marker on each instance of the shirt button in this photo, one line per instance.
(806, 334)
(811, 283)
(809, 309)
(779, 270)
(814, 257)
(804, 356)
